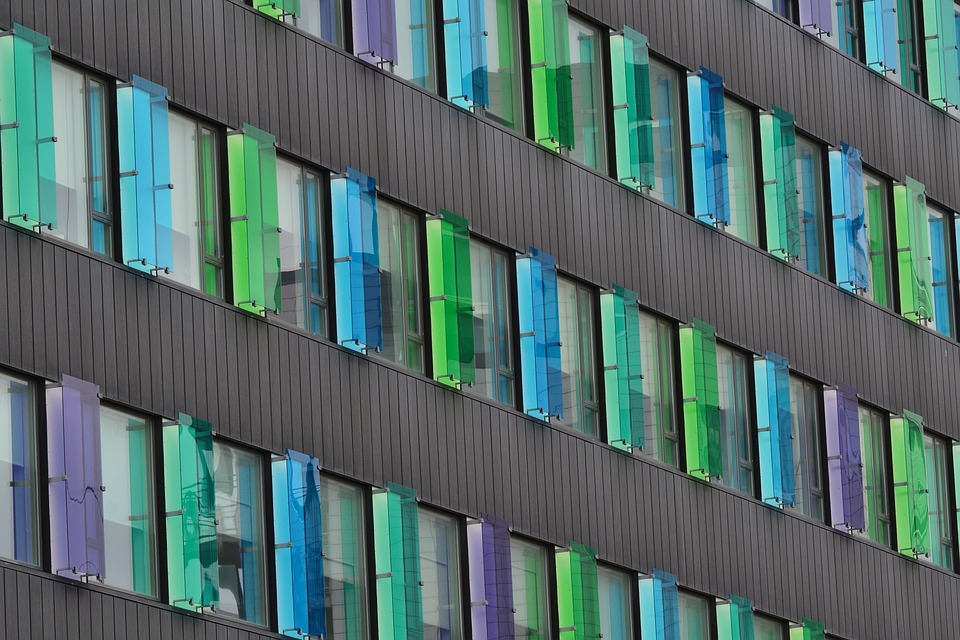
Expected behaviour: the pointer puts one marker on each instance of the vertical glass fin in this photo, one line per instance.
(849, 218)
(578, 592)
(254, 219)
(700, 386)
(27, 155)
(735, 619)
(913, 250)
(844, 458)
(375, 30)
(465, 40)
(708, 147)
(632, 108)
(943, 64)
(146, 204)
(778, 139)
(659, 606)
(775, 430)
(550, 71)
(539, 313)
(910, 485)
(491, 578)
(396, 531)
(622, 368)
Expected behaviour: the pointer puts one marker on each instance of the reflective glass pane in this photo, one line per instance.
(659, 397)
(767, 628)
(504, 77)
(812, 208)
(19, 538)
(733, 369)
(667, 144)
(128, 503)
(578, 357)
(741, 171)
(876, 478)
(936, 452)
(940, 261)
(344, 560)
(493, 333)
(530, 590)
(616, 604)
(74, 196)
(589, 124)
(240, 533)
(807, 435)
(695, 615)
(440, 575)
(400, 286)
(416, 49)
(877, 203)
(322, 18)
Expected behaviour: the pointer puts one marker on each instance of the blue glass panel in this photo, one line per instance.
(145, 200)
(941, 269)
(775, 430)
(539, 311)
(849, 218)
(659, 607)
(465, 35)
(708, 147)
(301, 607)
(356, 261)
(880, 35)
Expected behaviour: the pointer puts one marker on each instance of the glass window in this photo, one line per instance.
(322, 18)
(344, 560)
(416, 49)
(668, 160)
(589, 127)
(805, 398)
(240, 533)
(19, 525)
(440, 575)
(940, 261)
(129, 518)
(531, 590)
(765, 628)
(578, 357)
(741, 170)
(302, 283)
(937, 454)
(910, 74)
(493, 331)
(695, 613)
(504, 77)
(400, 284)
(877, 203)
(780, 7)
(616, 603)
(197, 253)
(84, 210)
(733, 368)
(876, 476)
(657, 352)
(848, 27)
(813, 251)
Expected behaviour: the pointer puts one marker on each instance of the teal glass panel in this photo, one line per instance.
(578, 599)
(659, 607)
(708, 147)
(632, 108)
(396, 531)
(881, 35)
(550, 71)
(778, 141)
(540, 354)
(27, 156)
(19, 498)
(465, 41)
(254, 220)
(942, 61)
(775, 430)
(735, 620)
(913, 251)
(701, 400)
(849, 218)
(910, 484)
(622, 368)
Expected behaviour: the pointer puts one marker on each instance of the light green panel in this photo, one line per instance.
(700, 385)
(27, 141)
(451, 300)
(632, 108)
(578, 595)
(550, 73)
(910, 485)
(913, 250)
(622, 368)
(735, 619)
(808, 630)
(396, 533)
(278, 8)
(254, 219)
(943, 63)
(778, 140)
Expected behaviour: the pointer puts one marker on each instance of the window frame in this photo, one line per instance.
(711, 603)
(682, 187)
(824, 217)
(633, 596)
(604, 123)
(463, 567)
(752, 134)
(674, 437)
(946, 512)
(750, 466)
(583, 289)
(889, 518)
(949, 220)
(822, 493)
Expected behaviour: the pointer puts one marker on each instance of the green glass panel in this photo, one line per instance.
(778, 139)
(278, 8)
(910, 484)
(190, 507)
(877, 241)
(622, 368)
(809, 630)
(254, 219)
(396, 532)
(632, 108)
(913, 251)
(700, 386)
(943, 63)
(578, 596)
(27, 154)
(451, 300)
(735, 619)
(550, 73)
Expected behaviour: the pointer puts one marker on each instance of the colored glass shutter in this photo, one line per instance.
(778, 139)
(578, 596)
(808, 630)
(700, 386)
(849, 218)
(775, 430)
(632, 108)
(396, 530)
(708, 147)
(298, 538)
(539, 312)
(375, 30)
(465, 40)
(913, 250)
(622, 368)
(278, 8)
(254, 219)
(193, 573)
(735, 619)
(844, 458)
(910, 484)
(491, 579)
(881, 35)
(146, 206)
(816, 16)
(659, 607)
(76, 480)
(451, 300)
(27, 156)
(550, 72)
(356, 261)
(943, 63)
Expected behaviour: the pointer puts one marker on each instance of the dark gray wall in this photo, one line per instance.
(163, 349)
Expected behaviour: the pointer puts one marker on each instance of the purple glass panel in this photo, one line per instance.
(844, 458)
(76, 478)
(816, 16)
(375, 30)
(491, 579)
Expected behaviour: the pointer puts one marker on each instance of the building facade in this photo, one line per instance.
(479, 319)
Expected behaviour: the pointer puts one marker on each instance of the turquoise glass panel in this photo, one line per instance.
(881, 35)
(659, 607)
(708, 147)
(849, 218)
(775, 430)
(539, 311)
(465, 39)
